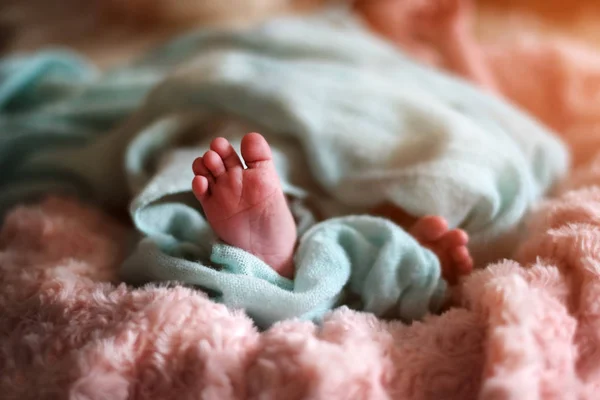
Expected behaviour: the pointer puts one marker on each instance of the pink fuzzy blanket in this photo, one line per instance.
(524, 329)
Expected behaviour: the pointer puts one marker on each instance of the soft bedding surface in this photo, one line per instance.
(66, 331)
(521, 328)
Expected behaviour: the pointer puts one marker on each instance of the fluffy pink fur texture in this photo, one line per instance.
(524, 329)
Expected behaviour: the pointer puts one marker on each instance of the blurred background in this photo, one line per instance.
(110, 31)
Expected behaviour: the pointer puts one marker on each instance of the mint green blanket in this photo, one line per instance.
(352, 123)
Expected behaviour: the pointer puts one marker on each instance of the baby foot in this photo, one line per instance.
(449, 245)
(246, 207)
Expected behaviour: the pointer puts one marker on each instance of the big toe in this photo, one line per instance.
(429, 229)
(255, 150)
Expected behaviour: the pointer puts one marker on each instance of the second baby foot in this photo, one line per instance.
(450, 246)
(246, 207)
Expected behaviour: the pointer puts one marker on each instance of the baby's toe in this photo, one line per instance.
(429, 229)
(214, 163)
(455, 238)
(255, 150)
(462, 260)
(200, 187)
(225, 150)
(199, 168)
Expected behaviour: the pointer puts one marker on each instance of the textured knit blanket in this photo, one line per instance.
(353, 123)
